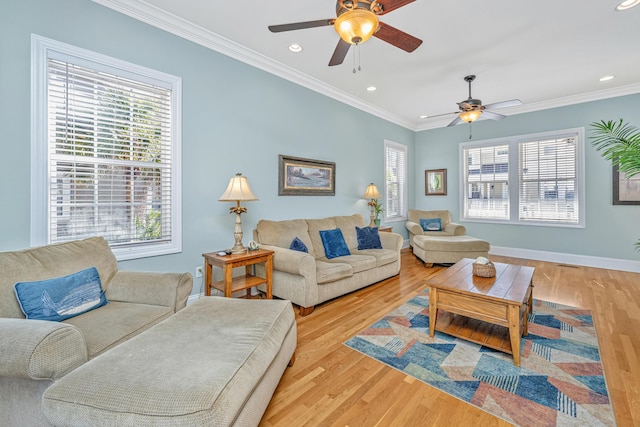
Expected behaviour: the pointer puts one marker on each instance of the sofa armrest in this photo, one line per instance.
(414, 228)
(294, 262)
(392, 241)
(39, 349)
(455, 229)
(165, 289)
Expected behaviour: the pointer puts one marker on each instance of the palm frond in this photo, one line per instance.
(619, 143)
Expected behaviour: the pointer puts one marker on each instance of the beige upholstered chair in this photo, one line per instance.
(448, 228)
(446, 246)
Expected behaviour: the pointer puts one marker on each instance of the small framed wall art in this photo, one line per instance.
(626, 191)
(435, 182)
(306, 177)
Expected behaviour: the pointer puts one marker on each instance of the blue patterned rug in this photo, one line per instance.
(560, 381)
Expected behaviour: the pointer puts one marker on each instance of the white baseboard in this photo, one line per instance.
(563, 258)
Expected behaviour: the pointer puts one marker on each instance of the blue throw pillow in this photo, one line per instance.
(431, 224)
(368, 238)
(61, 298)
(334, 244)
(298, 245)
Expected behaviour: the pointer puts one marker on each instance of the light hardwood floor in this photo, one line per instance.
(333, 385)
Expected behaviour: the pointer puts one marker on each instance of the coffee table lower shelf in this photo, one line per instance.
(476, 331)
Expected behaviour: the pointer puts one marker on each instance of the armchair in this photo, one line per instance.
(448, 228)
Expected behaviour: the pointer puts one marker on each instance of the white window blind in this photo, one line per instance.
(529, 179)
(395, 166)
(110, 157)
(487, 182)
(548, 180)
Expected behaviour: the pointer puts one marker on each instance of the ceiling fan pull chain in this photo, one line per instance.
(358, 49)
(469, 130)
(354, 59)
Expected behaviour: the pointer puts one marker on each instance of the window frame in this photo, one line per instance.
(41, 50)
(403, 197)
(513, 179)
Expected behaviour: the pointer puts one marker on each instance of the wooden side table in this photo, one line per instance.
(227, 263)
(386, 229)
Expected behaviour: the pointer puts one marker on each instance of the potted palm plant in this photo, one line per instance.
(377, 210)
(619, 143)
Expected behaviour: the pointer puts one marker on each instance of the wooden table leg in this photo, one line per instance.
(268, 266)
(208, 274)
(433, 310)
(513, 317)
(228, 279)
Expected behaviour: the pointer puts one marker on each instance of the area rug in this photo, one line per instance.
(560, 381)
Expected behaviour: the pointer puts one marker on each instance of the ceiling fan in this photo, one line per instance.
(356, 21)
(471, 109)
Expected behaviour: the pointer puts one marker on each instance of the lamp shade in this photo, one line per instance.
(470, 115)
(356, 26)
(371, 192)
(238, 190)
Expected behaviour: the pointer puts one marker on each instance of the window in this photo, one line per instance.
(530, 179)
(106, 146)
(395, 169)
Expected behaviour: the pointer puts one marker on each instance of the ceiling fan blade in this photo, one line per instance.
(493, 116)
(397, 38)
(455, 121)
(440, 115)
(391, 5)
(503, 104)
(339, 54)
(301, 25)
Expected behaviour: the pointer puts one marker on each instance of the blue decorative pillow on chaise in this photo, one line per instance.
(61, 298)
(431, 224)
(334, 244)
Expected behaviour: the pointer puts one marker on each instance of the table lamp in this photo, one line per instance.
(238, 191)
(372, 194)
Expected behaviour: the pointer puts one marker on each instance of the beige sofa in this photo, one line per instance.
(308, 279)
(36, 353)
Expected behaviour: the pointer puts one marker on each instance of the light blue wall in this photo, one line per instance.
(610, 230)
(236, 118)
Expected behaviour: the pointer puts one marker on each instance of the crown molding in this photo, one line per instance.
(170, 23)
(144, 12)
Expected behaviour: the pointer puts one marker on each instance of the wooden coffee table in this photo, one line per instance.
(488, 311)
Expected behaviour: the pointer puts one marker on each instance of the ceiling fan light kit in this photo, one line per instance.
(356, 26)
(356, 22)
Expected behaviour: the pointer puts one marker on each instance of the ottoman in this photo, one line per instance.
(448, 249)
(215, 363)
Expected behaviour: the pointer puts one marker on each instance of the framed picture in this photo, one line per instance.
(306, 177)
(435, 182)
(626, 191)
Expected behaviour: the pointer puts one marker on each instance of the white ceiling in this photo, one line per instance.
(544, 52)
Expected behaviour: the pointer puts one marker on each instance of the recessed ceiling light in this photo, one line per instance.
(424, 116)
(295, 48)
(371, 88)
(627, 4)
(606, 78)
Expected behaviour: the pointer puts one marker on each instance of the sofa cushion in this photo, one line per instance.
(358, 262)
(368, 238)
(298, 245)
(61, 297)
(331, 271)
(382, 256)
(431, 224)
(348, 226)
(281, 233)
(115, 323)
(314, 227)
(333, 243)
